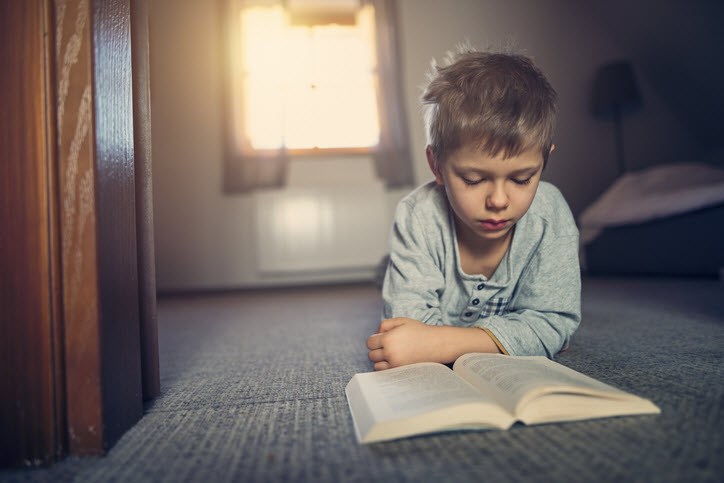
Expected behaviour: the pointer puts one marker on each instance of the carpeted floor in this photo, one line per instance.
(253, 390)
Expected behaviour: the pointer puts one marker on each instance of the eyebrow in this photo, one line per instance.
(528, 169)
(517, 172)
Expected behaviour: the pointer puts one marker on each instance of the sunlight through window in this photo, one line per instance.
(308, 86)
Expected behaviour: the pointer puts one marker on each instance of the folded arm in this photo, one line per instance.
(401, 341)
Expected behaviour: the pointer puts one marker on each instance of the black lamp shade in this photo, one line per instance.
(615, 90)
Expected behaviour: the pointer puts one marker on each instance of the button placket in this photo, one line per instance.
(482, 294)
(472, 311)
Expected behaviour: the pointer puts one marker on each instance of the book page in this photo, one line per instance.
(510, 379)
(418, 398)
(414, 389)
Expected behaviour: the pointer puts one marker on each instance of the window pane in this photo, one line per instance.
(308, 87)
(348, 116)
(341, 54)
(301, 118)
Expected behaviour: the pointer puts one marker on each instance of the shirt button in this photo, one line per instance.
(476, 301)
(481, 286)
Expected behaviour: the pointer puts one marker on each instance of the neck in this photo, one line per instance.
(481, 256)
(474, 244)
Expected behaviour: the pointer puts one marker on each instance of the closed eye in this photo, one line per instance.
(472, 182)
(522, 182)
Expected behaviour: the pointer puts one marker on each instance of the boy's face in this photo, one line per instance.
(488, 194)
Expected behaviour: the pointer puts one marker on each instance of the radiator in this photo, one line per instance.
(322, 229)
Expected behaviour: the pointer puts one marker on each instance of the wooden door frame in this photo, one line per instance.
(30, 365)
(78, 337)
(140, 52)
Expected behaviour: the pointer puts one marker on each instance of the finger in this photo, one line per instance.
(374, 341)
(389, 324)
(376, 355)
(381, 366)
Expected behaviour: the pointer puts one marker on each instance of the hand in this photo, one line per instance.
(403, 341)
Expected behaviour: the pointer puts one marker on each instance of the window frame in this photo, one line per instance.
(247, 168)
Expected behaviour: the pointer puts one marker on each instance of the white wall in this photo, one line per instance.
(206, 239)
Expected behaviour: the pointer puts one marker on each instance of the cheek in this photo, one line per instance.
(523, 200)
(468, 202)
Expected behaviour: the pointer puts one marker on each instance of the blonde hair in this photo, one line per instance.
(501, 102)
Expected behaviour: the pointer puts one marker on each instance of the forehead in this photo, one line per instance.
(471, 156)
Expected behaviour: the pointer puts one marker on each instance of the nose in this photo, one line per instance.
(497, 198)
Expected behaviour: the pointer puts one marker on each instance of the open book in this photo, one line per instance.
(482, 391)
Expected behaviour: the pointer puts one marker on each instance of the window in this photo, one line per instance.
(311, 77)
(308, 85)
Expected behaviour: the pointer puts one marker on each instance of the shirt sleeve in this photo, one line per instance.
(414, 279)
(546, 308)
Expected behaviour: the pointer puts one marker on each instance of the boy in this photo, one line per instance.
(485, 257)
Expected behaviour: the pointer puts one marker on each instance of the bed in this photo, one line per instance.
(664, 220)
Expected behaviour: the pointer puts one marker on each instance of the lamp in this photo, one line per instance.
(616, 93)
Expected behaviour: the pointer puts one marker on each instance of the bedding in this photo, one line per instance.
(668, 219)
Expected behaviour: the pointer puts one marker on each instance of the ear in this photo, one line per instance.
(434, 166)
(545, 158)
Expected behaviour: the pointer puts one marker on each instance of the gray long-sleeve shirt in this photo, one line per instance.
(531, 304)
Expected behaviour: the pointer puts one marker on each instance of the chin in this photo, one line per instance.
(494, 235)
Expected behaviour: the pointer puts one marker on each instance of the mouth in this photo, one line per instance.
(493, 225)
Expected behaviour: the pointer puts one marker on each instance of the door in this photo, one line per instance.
(77, 336)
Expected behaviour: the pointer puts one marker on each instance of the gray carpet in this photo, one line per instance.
(253, 390)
